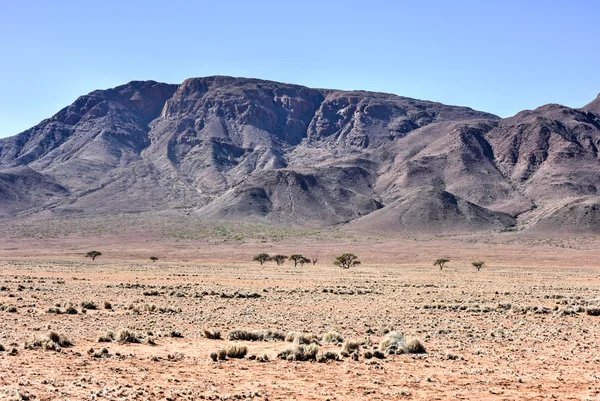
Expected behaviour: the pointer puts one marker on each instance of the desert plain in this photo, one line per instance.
(523, 327)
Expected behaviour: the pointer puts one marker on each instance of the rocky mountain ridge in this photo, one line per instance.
(253, 150)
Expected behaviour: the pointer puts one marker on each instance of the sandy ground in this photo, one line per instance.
(517, 329)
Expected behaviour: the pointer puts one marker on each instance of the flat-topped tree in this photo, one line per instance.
(478, 265)
(153, 258)
(93, 254)
(347, 260)
(279, 259)
(261, 258)
(441, 262)
(298, 259)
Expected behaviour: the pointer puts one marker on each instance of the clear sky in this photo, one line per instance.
(498, 56)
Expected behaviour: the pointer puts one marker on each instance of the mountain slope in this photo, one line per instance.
(253, 150)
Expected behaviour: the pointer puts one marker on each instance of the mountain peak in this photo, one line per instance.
(593, 106)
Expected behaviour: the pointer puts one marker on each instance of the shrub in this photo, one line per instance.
(350, 346)
(70, 309)
(396, 343)
(108, 337)
(346, 260)
(301, 338)
(414, 346)
(211, 334)
(244, 335)
(128, 336)
(89, 305)
(222, 354)
(236, 350)
(332, 337)
(51, 342)
(593, 311)
(328, 356)
(393, 339)
(107, 305)
(478, 265)
(214, 356)
(299, 352)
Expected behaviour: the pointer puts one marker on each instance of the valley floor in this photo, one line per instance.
(517, 329)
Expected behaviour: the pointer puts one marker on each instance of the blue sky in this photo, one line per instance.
(496, 56)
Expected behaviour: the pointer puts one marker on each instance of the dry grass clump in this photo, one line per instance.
(89, 305)
(222, 354)
(69, 309)
(301, 338)
(244, 335)
(396, 343)
(414, 346)
(299, 352)
(211, 334)
(350, 346)
(333, 337)
(127, 336)
(108, 337)
(175, 334)
(593, 311)
(51, 342)
(8, 308)
(328, 356)
(236, 350)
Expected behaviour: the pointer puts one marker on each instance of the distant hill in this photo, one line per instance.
(252, 150)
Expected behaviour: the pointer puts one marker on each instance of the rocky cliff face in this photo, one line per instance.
(248, 149)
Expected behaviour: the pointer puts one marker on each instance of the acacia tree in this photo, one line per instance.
(298, 259)
(346, 260)
(478, 265)
(93, 254)
(314, 260)
(441, 262)
(153, 258)
(262, 258)
(279, 259)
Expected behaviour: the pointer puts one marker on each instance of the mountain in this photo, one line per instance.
(243, 149)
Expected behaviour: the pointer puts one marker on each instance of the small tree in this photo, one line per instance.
(347, 260)
(478, 265)
(279, 259)
(93, 254)
(262, 258)
(314, 260)
(441, 262)
(153, 258)
(303, 261)
(298, 259)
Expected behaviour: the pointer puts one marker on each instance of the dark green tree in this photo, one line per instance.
(347, 260)
(93, 254)
(279, 259)
(441, 262)
(262, 258)
(478, 265)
